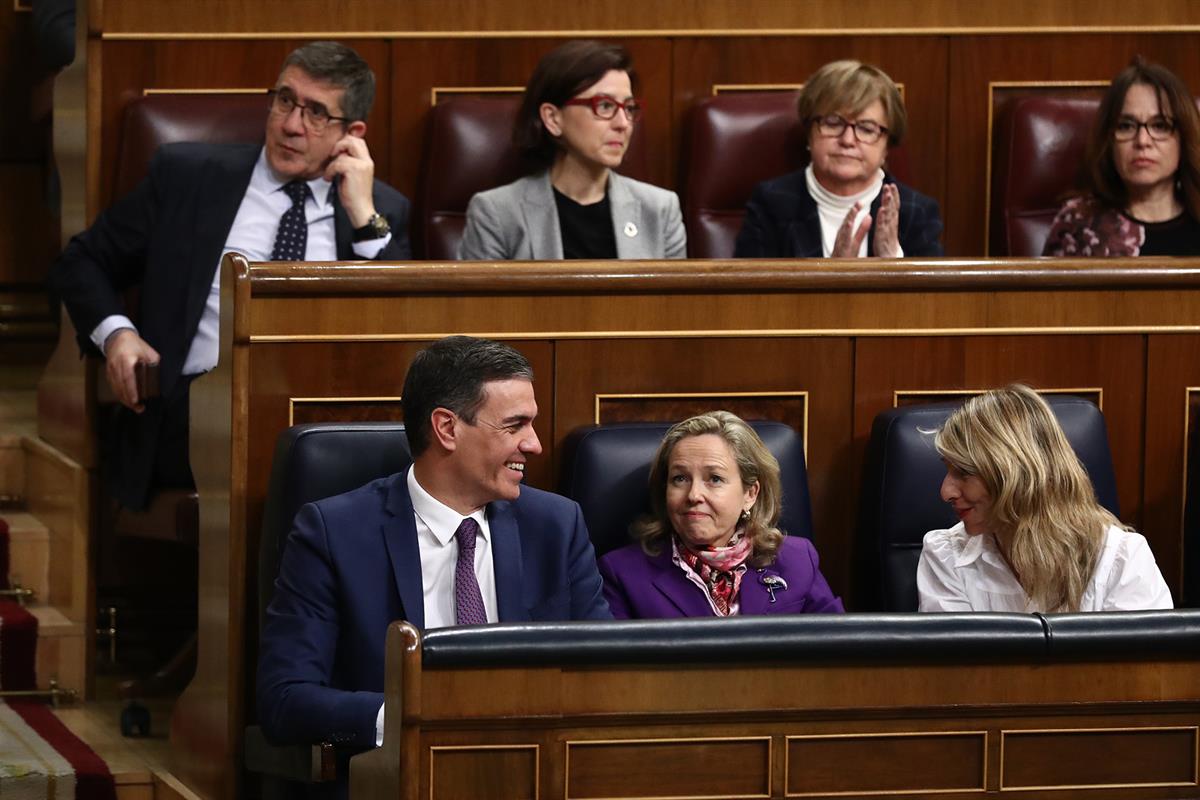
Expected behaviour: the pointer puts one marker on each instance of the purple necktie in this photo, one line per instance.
(468, 600)
(291, 239)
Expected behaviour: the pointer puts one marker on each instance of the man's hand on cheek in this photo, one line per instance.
(351, 162)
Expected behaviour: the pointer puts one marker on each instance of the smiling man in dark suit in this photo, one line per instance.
(307, 193)
(454, 540)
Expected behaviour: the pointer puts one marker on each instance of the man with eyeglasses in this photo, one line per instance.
(308, 193)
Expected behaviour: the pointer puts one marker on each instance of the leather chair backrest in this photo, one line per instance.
(901, 496)
(159, 119)
(1037, 153)
(313, 462)
(733, 142)
(468, 149)
(606, 469)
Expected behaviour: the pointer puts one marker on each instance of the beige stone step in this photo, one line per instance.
(61, 649)
(29, 552)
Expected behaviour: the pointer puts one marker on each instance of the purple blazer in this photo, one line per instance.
(638, 586)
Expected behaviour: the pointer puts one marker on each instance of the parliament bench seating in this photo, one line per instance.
(633, 708)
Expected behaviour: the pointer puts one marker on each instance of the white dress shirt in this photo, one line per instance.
(833, 208)
(253, 235)
(961, 572)
(436, 525)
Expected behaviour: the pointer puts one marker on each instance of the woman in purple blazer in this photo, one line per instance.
(710, 546)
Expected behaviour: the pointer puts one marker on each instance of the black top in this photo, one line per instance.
(1175, 237)
(587, 231)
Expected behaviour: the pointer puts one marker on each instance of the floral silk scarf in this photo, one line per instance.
(718, 568)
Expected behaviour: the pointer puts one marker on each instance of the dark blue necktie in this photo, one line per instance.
(291, 240)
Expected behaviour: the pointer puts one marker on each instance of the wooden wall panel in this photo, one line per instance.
(820, 366)
(1112, 363)
(1172, 368)
(492, 16)
(918, 62)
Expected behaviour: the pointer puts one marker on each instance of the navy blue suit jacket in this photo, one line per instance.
(352, 566)
(782, 221)
(166, 236)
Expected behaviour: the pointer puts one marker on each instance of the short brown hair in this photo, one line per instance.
(1100, 177)
(851, 86)
(755, 463)
(561, 74)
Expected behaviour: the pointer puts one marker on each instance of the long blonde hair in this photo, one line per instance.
(1043, 502)
(755, 465)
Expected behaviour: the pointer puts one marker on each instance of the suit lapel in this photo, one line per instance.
(541, 219)
(675, 586)
(400, 538)
(753, 595)
(627, 219)
(806, 229)
(506, 561)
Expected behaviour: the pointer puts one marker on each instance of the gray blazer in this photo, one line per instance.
(519, 222)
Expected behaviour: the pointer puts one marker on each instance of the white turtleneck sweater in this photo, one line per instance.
(833, 208)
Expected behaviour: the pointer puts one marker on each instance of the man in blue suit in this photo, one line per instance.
(453, 540)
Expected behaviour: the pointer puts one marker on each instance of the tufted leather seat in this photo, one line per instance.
(468, 149)
(733, 142)
(901, 500)
(606, 469)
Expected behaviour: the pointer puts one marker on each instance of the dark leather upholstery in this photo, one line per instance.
(606, 468)
(1149, 633)
(158, 119)
(1037, 152)
(468, 149)
(799, 637)
(733, 142)
(901, 500)
(879, 638)
(313, 462)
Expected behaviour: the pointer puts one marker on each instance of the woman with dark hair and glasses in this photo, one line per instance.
(574, 124)
(843, 204)
(1141, 176)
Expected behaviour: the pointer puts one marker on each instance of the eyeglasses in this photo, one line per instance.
(866, 131)
(1128, 128)
(605, 106)
(315, 115)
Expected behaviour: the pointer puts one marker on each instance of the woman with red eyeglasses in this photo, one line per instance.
(574, 124)
(1141, 175)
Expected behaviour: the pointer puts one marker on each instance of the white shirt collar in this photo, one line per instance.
(441, 520)
(263, 177)
(981, 547)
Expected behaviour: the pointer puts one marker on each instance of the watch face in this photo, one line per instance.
(376, 228)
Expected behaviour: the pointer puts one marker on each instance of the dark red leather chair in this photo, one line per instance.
(733, 142)
(468, 149)
(1037, 151)
(158, 119)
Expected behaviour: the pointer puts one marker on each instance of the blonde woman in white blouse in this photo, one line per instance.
(1031, 536)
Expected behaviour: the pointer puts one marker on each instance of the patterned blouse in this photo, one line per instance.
(1082, 227)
